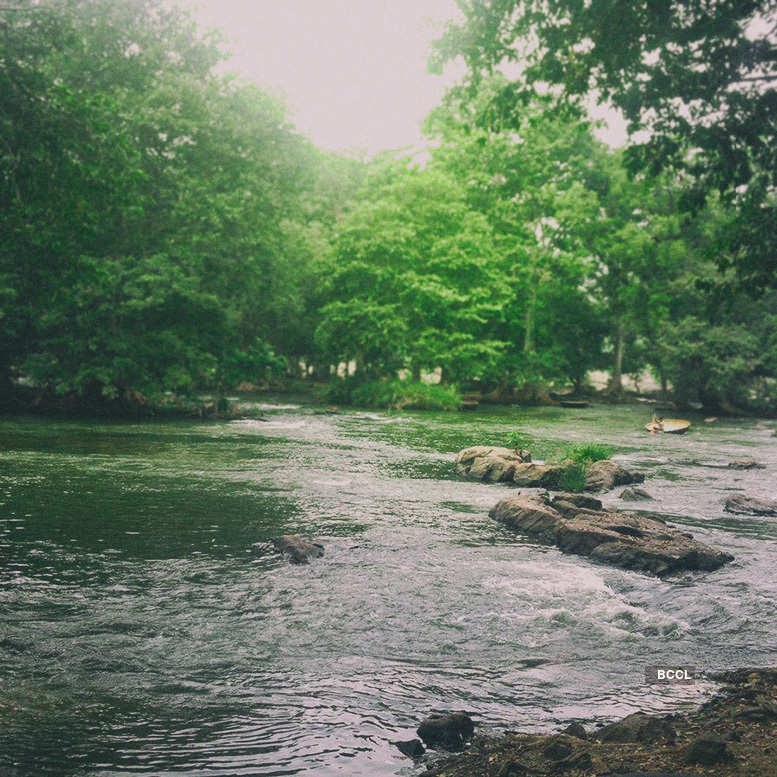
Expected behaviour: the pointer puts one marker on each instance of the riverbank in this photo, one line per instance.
(732, 735)
(350, 392)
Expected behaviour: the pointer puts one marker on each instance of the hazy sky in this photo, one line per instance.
(353, 72)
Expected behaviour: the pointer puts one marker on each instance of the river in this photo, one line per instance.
(147, 627)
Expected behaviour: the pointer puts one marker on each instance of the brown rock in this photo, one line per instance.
(604, 475)
(533, 475)
(638, 727)
(746, 505)
(578, 524)
(488, 463)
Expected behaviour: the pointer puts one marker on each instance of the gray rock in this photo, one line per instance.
(505, 465)
(604, 475)
(639, 727)
(639, 542)
(635, 495)
(746, 505)
(410, 747)
(576, 730)
(448, 731)
(707, 750)
(488, 463)
(297, 549)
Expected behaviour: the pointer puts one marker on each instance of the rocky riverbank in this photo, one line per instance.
(732, 735)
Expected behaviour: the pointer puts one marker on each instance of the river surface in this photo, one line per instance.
(147, 627)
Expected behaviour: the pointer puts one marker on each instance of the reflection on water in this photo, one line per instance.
(147, 627)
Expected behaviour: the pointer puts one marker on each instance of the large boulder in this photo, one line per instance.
(747, 505)
(488, 463)
(708, 749)
(578, 524)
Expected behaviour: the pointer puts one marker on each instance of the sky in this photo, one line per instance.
(352, 72)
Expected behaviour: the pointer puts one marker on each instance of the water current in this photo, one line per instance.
(147, 627)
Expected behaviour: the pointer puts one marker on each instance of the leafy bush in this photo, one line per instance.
(573, 478)
(588, 452)
(518, 440)
(393, 394)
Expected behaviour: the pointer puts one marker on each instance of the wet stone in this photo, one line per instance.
(410, 747)
(297, 549)
(448, 731)
(707, 750)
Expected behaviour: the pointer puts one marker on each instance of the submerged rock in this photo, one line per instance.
(635, 495)
(448, 731)
(578, 524)
(745, 464)
(506, 465)
(747, 505)
(297, 549)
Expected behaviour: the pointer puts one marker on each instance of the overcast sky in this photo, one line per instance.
(353, 72)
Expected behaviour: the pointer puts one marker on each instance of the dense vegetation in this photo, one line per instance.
(166, 231)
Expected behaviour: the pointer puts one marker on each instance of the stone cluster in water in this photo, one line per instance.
(578, 524)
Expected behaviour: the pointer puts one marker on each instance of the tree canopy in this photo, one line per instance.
(167, 231)
(700, 77)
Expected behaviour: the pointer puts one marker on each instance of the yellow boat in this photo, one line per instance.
(668, 426)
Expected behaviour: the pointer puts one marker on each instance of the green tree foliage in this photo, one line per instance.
(701, 77)
(528, 169)
(412, 282)
(144, 202)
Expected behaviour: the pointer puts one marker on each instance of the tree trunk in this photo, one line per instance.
(528, 321)
(616, 381)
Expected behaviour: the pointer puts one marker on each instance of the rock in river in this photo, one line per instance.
(746, 505)
(448, 731)
(297, 549)
(505, 465)
(606, 474)
(488, 463)
(578, 524)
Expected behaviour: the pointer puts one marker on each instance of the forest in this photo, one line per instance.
(167, 232)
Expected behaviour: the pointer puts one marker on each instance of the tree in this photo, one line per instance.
(527, 168)
(412, 280)
(144, 202)
(701, 77)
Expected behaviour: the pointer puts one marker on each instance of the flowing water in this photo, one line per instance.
(147, 627)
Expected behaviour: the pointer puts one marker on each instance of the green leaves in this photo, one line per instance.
(414, 282)
(144, 199)
(701, 78)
